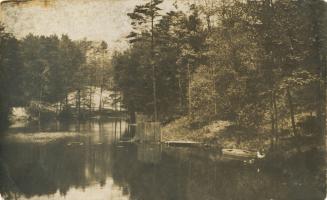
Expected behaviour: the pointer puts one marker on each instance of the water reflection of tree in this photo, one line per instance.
(37, 169)
(194, 178)
(46, 169)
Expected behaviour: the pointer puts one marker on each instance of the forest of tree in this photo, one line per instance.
(39, 72)
(255, 63)
(10, 71)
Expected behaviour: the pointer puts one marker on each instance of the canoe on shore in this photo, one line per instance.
(239, 153)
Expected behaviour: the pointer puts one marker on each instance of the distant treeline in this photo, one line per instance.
(254, 63)
(45, 69)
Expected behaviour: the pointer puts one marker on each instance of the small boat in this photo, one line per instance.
(240, 153)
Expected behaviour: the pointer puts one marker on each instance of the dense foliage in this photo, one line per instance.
(250, 62)
(10, 74)
(40, 72)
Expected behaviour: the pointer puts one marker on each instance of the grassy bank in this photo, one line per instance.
(221, 133)
(226, 135)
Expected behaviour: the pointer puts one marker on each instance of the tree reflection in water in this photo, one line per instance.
(95, 163)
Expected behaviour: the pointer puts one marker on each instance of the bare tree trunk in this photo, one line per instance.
(79, 103)
(276, 118)
(272, 116)
(115, 128)
(39, 114)
(180, 93)
(116, 101)
(76, 101)
(155, 112)
(154, 95)
(120, 101)
(100, 102)
(57, 108)
(66, 100)
(60, 106)
(119, 127)
(90, 104)
(102, 83)
(291, 107)
(214, 88)
(210, 64)
(189, 90)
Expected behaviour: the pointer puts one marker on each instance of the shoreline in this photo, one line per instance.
(222, 134)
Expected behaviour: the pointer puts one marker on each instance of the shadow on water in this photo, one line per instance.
(93, 164)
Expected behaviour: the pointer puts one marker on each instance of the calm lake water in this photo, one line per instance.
(87, 161)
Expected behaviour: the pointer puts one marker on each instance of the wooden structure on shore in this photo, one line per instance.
(148, 132)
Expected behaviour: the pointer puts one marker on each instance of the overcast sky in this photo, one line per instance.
(91, 19)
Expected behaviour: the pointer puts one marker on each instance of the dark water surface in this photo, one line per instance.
(87, 161)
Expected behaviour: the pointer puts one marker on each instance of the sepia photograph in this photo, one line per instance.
(163, 99)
